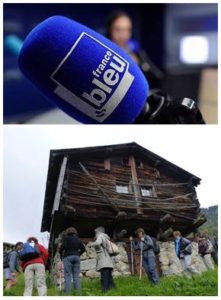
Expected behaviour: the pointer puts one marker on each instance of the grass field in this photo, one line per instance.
(203, 285)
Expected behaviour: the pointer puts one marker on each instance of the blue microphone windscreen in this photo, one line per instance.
(83, 73)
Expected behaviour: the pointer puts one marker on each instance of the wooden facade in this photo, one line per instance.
(119, 187)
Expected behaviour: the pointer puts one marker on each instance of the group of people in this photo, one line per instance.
(33, 261)
(207, 249)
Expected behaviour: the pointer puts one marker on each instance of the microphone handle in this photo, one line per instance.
(147, 65)
(162, 109)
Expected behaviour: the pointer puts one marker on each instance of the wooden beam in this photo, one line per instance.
(107, 164)
(57, 197)
(137, 193)
(165, 234)
(114, 206)
(201, 219)
(166, 218)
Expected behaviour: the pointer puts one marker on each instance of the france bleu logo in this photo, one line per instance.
(92, 78)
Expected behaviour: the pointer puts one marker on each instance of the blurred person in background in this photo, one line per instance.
(120, 31)
(161, 108)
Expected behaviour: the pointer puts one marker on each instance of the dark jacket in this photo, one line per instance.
(185, 247)
(71, 245)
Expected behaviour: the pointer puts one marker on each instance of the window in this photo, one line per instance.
(146, 192)
(139, 164)
(122, 189)
(125, 162)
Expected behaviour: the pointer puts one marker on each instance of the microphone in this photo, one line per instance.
(83, 73)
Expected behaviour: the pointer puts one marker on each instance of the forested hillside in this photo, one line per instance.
(211, 225)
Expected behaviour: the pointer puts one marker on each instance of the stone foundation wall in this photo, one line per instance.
(170, 264)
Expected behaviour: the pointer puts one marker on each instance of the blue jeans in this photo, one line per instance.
(149, 264)
(72, 269)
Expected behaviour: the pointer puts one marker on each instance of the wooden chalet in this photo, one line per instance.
(119, 187)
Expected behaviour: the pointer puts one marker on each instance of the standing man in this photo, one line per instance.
(34, 257)
(183, 248)
(145, 244)
(10, 265)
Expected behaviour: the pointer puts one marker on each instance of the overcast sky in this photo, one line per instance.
(26, 154)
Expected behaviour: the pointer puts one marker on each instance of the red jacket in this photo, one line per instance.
(42, 259)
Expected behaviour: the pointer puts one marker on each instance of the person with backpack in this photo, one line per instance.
(148, 254)
(11, 265)
(33, 258)
(205, 249)
(104, 263)
(183, 249)
(70, 251)
(214, 253)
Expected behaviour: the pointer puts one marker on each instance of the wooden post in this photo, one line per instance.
(57, 197)
(136, 187)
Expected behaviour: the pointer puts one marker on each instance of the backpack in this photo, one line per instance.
(28, 252)
(185, 246)
(111, 248)
(205, 246)
(156, 247)
(6, 257)
(210, 247)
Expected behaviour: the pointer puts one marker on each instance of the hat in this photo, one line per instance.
(18, 244)
(139, 230)
(99, 229)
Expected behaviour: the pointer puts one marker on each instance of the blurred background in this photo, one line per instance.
(175, 45)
